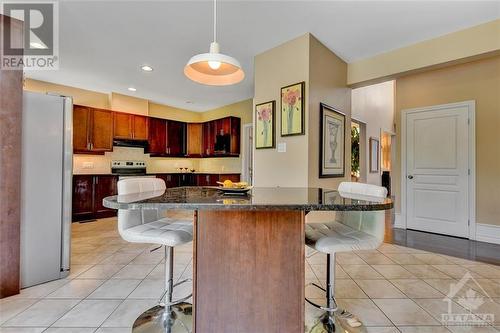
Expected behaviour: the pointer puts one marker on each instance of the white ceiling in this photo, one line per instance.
(103, 44)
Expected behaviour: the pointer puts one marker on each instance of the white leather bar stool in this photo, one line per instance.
(351, 230)
(148, 226)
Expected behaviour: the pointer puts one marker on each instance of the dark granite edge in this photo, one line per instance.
(110, 202)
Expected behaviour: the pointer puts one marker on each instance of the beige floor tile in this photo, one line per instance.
(134, 272)
(88, 313)
(404, 258)
(76, 289)
(77, 270)
(22, 329)
(11, 306)
(436, 307)
(393, 271)
(100, 272)
(128, 311)
(485, 286)
(423, 329)
(111, 330)
(115, 289)
(43, 313)
(348, 289)
(317, 258)
(349, 258)
(366, 311)
(414, 288)
(148, 289)
(375, 258)
(432, 259)
(426, 272)
(120, 258)
(392, 329)
(456, 271)
(149, 258)
(403, 312)
(42, 290)
(391, 248)
(473, 329)
(444, 287)
(70, 330)
(320, 271)
(488, 306)
(361, 272)
(486, 271)
(380, 289)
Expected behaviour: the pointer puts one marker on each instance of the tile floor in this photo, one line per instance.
(392, 289)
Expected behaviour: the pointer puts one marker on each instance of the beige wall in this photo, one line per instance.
(128, 104)
(80, 96)
(278, 67)
(459, 46)
(242, 109)
(169, 112)
(479, 81)
(327, 84)
(374, 105)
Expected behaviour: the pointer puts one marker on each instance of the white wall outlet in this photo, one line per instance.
(282, 147)
(88, 165)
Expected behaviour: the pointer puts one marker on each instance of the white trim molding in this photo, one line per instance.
(488, 233)
(471, 107)
(398, 221)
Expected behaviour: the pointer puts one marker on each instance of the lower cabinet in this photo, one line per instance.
(88, 192)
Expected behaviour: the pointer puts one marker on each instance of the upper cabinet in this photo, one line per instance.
(221, 137)
(157, 137)
(176, 138)
(194, 139)
(130, 126)
(92, 130)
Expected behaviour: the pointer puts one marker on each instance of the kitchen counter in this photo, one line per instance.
(262, 198)
(163, 173)
(248, 256)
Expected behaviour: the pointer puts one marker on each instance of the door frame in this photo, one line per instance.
(471, 107)
(246, 128)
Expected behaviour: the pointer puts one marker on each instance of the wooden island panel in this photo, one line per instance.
(249, 271)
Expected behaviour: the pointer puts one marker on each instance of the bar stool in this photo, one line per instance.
(148, 226)
(351, 231)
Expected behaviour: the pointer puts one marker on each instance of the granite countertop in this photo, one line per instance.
(260, 198)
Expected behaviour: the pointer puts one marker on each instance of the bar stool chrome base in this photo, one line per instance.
(177, 318)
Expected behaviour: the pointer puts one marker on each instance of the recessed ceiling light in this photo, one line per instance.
(132, 89)
(147, 68)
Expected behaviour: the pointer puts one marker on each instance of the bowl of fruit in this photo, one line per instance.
(230, 187)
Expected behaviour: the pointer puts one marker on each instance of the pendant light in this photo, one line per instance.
(214, 68)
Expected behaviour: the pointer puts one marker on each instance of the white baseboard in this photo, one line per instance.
(398, 221)
(488, 233)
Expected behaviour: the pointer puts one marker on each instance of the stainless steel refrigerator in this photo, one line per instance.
(47, 170)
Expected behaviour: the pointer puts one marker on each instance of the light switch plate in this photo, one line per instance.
(282, 147)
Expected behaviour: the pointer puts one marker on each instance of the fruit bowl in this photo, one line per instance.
(228, 187)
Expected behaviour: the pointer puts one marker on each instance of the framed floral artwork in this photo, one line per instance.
(292, 109)
(265, 125)
(332, 142)
(374, 155)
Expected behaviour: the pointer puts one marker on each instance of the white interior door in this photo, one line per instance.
(437, 154)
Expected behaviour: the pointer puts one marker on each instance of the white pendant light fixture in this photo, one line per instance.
(214, 68)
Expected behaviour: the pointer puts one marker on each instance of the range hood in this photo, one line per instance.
(130, 143)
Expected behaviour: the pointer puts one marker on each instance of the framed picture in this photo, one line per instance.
(265, 125)
(292, 109)
(332, 142)
(329, 197)
(374, 155)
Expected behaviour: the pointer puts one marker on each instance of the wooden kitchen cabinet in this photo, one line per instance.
(88, 192)
(92, 130)
(234, 177)
(221, 137)
(194, 139)
(176, 138)
(171, 180)
(157, 141)
(130, 126)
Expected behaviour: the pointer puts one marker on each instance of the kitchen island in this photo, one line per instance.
(248, 251)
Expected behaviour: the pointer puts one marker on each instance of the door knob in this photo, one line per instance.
(410, 177)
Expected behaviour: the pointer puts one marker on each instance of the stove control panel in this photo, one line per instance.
(128, 164)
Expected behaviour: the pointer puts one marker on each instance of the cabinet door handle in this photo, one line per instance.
(96, 180)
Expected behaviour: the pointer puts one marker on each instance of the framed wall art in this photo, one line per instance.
(292, 109)
(332, 142)
(265, 125)
(374, 155)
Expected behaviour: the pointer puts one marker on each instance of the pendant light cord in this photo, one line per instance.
(215, 20)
